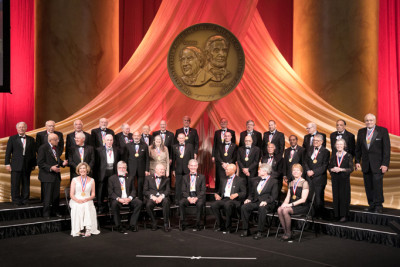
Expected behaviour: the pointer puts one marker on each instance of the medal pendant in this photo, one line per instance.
(186, 138)
(368, 141)
(83, 194)
(122, 188)
(290, 160)
(315, 161)
(246, 159)
(294, 197)
(137, 155)
(181, 156)
(226, 154)
(269, 143)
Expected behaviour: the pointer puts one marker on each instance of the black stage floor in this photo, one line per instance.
(115, 249)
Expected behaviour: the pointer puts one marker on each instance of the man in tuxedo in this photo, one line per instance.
(146, 137)
(167, 137)
(255, 135)
(122, 192)
(98, 135)
(137, 154)
(230, 196)
(226, 154)
(49, 163)
(20, 160)
(373, 154)
(308, 139)
(190, 134)
(156, 191)
(276, 162)
(181, 154)
(125, 137)
(70, 140)
(107, 159)
(42, 137)
(248, 158)
(316, 164)
(262, 198)
(275, 137)
(194, 193)
(294, 154)
(81, 153)
(342, 133)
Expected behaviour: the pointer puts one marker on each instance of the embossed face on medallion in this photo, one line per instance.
(191, 63)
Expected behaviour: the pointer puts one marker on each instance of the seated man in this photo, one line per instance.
(262, 197)
(231, 193)
(121, 191)
(156, 190)
(193, 193)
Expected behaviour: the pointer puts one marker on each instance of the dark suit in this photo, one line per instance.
(180, 166)
(346, 136)
(121, 140)
(269, 193)
(41, 138)
(278, 139)
(138, 165)
(115, 191)
(256, 136)
(220, 158)
(307, 141)
(371, 158)
(318, 180)
(251, 163)
(277, 168)
(50, 180)
(229, 206)
(150, 189)
(149, 139)
(298, 157)
(218, 141)
(74, 159)
(21, 166)
(168, 139)
(96, 137)
(193, 138)
(200, 193)
(70, 142)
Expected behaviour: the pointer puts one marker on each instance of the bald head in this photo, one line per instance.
(230, 170)
(50, 126)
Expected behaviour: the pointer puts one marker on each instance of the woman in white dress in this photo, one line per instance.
(83, 212)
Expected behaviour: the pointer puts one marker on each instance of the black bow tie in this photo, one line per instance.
(121, 176)
(271, 133)
(317, 148)
(248, 147)
(227, 144)
(22, 137)
(136, 143)
(193, 174)
(103, 130)
(293, 148)
(162, 132)
(181, 145)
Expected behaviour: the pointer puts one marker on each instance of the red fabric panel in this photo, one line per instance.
(19, 105)
(389, 65)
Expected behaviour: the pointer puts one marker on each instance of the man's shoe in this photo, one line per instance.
(197, 228)
(120, 229)
(182, 225)
(245, 233)
(227, 231)
(370, 209)
(154, 227)
(343, 220)
(59, 215)
(258, 236)
(219, 229)
(166, 228)
(378, 209)
(134, 228)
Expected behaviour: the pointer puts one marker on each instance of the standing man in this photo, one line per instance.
(256, 136)
(193, 193)
(294, 154)
(49, 163)
(98, 135)
(226, 154)
(146, 137)
(181, 154)
(138, 161)
(248, 158)
(42, 137)
(342, 133)
(373, 153)
(312, 131)
(190, 135)
(167, 137)
(275, 137)
(125, 137)
(20, 161)
(70, 140)
(81, 153)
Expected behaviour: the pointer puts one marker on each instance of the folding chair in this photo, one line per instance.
(204, 215)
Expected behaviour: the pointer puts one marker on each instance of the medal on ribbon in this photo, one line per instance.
(295, 188)
(83, 184)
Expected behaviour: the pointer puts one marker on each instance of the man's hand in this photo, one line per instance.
(55, 168)
(263, 203)
(233, 196)
(335, 169)
(8, 168)
(65, 163)
(213, 159)
(147, 173)
(217, 197)
(358, 166)
(384, 168)
(247, 201)
(310, 173)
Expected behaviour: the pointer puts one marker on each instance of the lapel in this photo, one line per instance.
(79, 155)
(374, 135)
(50, 151)
(19, 142)
(197, 182)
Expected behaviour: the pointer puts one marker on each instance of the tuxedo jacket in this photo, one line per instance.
(180, 165)
(169, 140)
(256, 136)
(101, 161)
(150, 139)
(41, 139)
(120, 139)
(97, 139)
(70, 142)
(378, 153)
(232, 154)
(320, 167)
(277, 165)
(307, 138)
(252, 163)
(114, 187)
(14, 153)
(46, 160)
(218, 141)
(139, 164)
(193, 138)
(238, 186)
(150, 186)
(200, 186)
(278, 140)
(298, 157)
(350, 142)
(269, 193)
(75, 158)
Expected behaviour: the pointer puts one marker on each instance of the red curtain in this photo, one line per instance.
(19, 105)
(389, 65)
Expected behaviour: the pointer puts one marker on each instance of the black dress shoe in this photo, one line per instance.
(121, 229)
(59, 215)
(343, 219)
(154, 228)
(370, 209)
(227, 231)
(245, 233)
(166, 228)
(219, 229)
(258, 236)
(47, 217)
(197, 228)
(134, 228)
(378, 209)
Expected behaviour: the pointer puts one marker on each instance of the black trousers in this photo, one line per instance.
(319, 202)
(135, 205)
(341, 194)
(248, 208)
(178, 187)
(229, 206)
(184, 203)
(102, 187)
(20, 185)
(373, 183)
(51, 197)
(221, 175)
(150, 204)
(140, 183)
